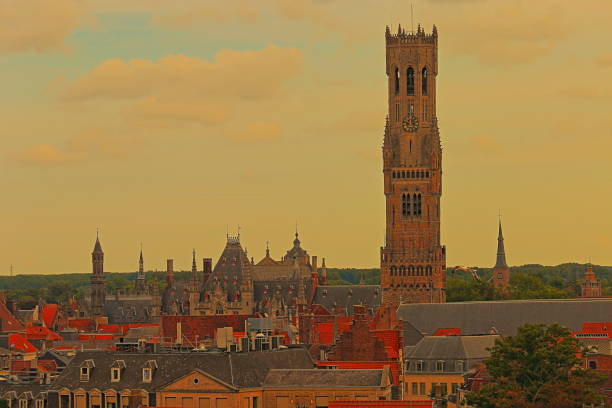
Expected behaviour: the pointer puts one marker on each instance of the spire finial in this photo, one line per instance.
(97, 232)
(267, 248)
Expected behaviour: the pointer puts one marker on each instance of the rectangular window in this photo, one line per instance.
(23, 403)
(415, 388)
(187, 402)
(439, 365)
(435, 389)
(171, 401)
(204, 403)
(79, 401)
(40, 403)
(221, 403)
(111, 405)
(146, 375)
(255, 402)
(444, 388)
(84, 373)
(422, 389)
(115, 374)
(419, 366)
(454, 387)
(460, 366)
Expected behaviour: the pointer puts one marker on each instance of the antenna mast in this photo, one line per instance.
(412, 17)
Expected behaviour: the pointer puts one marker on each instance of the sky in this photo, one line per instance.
(168, 124)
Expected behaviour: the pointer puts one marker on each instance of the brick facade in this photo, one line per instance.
(413, 262)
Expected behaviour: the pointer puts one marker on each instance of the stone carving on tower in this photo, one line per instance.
(413, 262)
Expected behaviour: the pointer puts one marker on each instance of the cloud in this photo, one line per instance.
(236, 11)
(485, 144)
(89, 145)
(151, 112)
(604, 59)
(257, 132)
(246, 75)
(37, 25)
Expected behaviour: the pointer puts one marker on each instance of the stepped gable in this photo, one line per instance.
(343, 298)
(504, 316)
(359, 343)
(241, 370)
(324, 378)
(232, 269)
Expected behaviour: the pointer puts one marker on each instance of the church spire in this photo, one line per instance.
(140, 263)
(501, 253)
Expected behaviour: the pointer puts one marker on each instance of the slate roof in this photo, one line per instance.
(452, 347)
(133, 309)
(241, 370)
(505, 316)
(344, 297)
(230, 270)
(323, 378)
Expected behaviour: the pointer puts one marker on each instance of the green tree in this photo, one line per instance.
(537, 368)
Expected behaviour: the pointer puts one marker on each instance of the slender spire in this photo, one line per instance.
(501, 253)
(141, 264)
(194, 266)
(98, 246)
(267, 249)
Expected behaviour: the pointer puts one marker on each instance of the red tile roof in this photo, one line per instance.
(19, 342)
(451, 331)
(8, 322)
(47, 366)
(49, 313)
(41, 333)
(81, 324)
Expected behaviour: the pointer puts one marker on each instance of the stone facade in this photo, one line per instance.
(413, 262)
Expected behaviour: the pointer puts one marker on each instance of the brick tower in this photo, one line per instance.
(413, 263)
(98, 280)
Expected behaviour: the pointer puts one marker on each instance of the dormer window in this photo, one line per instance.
(115, 374)
(147, 371)
(84, 373)
(116, 369)
(439, 365)
(23, 403)
(40, 403)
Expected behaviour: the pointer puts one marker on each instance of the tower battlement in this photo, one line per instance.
(404, 37)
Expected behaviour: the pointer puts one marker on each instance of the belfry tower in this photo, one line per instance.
(98, 280)
(413, 262)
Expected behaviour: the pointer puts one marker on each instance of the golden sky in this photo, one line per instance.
(164, 122)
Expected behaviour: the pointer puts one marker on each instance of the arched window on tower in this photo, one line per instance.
(424, 81)
(410, 81)
(419, 205)
(402, 270)
(397, 81)
(406, 205)
(414, 207)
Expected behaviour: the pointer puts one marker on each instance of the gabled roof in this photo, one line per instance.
(238, 369)
(9, 323)
(340, 298)
(453, 347)
(41, 332)
(49, 314)
(504, 316)
(19, 342)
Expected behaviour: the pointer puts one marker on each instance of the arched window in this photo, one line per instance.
(406, 205)
(411, 270)
(403, 174)
(397, 81)
(402, 270)
(410, 80)
(419, 205)
(414, 207)
(424, 81)
(393, 271)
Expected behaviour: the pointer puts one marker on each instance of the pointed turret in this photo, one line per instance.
(141, 287)
(98, 280)
(501, 253)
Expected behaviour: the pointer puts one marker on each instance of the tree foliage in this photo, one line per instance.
(539, 367)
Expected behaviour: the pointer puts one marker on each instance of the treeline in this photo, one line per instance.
(526, 282)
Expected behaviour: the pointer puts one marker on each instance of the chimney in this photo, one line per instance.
(170, 266)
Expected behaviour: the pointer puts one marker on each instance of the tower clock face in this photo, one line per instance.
(410, 124)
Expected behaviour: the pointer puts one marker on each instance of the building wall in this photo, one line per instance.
(319, 397)
(425, 383)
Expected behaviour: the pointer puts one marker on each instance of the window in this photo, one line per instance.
(410, 81)
(23, 403)
(406, 205)
(593, 365)
(146, 375)
(397, 112)
(115, 374)
(444, 388)
(419, 366)
(414, 200)
(422, 390)
(397, 81)
(219, 309)
(40, 403)
(424, 81)
(419, 205)
(415, 388)
(84, 373)
(439, 365)
(454, 387)
(111, 405)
